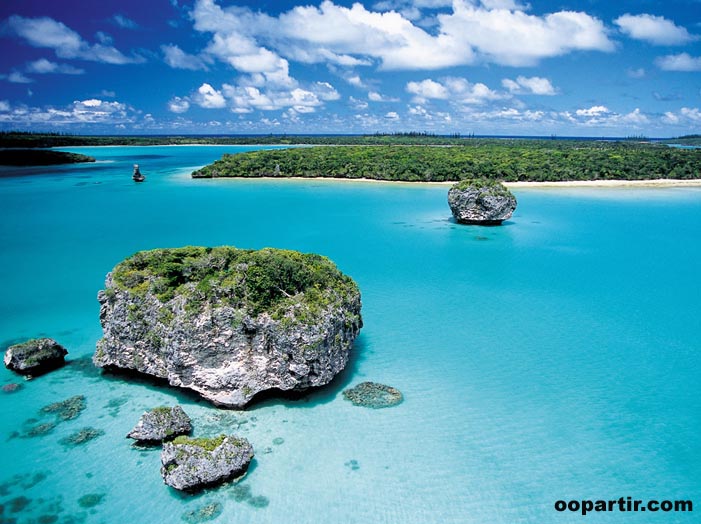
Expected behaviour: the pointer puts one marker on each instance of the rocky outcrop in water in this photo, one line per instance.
(229, 323)
(161, 423)
(373, 395)
(190, 464)
(35, 356)
(481, 202)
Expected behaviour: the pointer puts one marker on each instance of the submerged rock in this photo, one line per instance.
(481, 201)
(373, 395)
(190, 464)
(229, 323)
(161, 423)
(35, 356)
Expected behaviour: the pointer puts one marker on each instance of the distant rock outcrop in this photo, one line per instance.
(190, 464)
(481, 201)
(373, 395)
(35, 356)
(160, 424)
(229, 323)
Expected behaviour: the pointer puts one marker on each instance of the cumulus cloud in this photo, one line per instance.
(44, 66)
(246, 98)
(529, 86)
(66, 43)
(457, 90)
(179, 59)
(680, 62)
(653, 29)
(89, 111)
(427, 89)
(392, 115)
(178, 105)
(499, 31)
(593, 111)
(4, 105)
(374, 96)
(209, 98)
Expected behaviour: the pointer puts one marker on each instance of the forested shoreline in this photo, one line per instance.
(507, 160)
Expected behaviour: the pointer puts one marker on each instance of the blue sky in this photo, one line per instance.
(570, 67)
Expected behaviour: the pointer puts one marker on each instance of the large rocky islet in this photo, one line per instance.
(229, 323)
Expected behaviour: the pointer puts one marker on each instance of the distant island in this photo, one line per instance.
(509, 160)
(40, 157)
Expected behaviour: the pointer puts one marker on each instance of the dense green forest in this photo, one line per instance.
(507, 160)
(40, 157)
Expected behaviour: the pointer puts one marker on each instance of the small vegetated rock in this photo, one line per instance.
(35, 356)
(190, 464)
(161, 423)
(373, 395)
(481, 201)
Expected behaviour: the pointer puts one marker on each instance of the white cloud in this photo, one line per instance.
(354, 80)
(91, 111)
(178, 105)
(325, 91)
(374, 96)
(209, 98)
(593, 111)
(124, 22)
(427, 89)
(179, 59)
(357, 104)
(66, 43)
(653, 29)
(529, 86)
(44, 66)
(4, 105)
(392, 115)
(680, 62)
(497, 31)
(513, 37)
(457, 90)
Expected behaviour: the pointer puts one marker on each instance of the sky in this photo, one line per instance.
(484, 67)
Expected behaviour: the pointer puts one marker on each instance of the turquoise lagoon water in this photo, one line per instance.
(556, 357)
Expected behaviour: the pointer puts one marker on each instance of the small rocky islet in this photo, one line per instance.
(481, 202)
(35, 356)
(160, 424)
(191, 464)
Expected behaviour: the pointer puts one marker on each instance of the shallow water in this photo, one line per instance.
(555, 357)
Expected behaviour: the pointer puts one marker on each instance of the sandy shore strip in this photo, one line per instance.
(661, 182)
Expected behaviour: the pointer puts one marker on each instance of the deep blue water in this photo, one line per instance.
(555, 357)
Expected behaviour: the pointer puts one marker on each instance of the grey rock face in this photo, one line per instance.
(192, 464)
(35, 356)
(214, 342)
(481, 202)
(161, 424)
